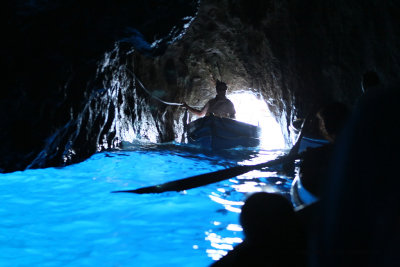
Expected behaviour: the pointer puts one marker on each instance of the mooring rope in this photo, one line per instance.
(147, 91)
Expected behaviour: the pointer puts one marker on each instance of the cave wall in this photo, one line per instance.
(68, 90)
(66, 93)
(298, 54)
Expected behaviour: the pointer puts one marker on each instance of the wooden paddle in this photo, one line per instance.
(208, 178)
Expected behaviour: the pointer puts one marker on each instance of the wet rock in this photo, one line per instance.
(65, 94)
(299, 55)
(69, 91)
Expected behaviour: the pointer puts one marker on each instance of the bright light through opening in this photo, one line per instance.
(255, 111)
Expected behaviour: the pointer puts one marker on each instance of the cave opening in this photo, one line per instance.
(251, 108)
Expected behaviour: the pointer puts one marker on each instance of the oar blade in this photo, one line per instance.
(142, 190)
(207, 178)
(191, 182)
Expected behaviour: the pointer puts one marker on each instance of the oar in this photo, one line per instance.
(208, 178)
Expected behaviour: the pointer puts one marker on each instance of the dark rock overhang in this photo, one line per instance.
(69, 92)
(52, 51)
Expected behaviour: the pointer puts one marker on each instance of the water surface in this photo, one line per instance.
(68, 217)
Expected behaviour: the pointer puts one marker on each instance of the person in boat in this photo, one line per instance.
(360, 207)
(272, 231)
(315, 166)
(315, 161)
(219, 106)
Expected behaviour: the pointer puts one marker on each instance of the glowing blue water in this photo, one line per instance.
(68, 217)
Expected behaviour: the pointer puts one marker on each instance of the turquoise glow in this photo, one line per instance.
(68, 217)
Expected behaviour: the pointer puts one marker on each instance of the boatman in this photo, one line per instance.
(219, 106)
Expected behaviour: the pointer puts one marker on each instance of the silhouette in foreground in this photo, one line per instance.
(315, 162)
(273, 234)
(360, 210)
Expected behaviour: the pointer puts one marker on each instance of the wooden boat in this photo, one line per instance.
(308, 142)
(300, 196)
(216, 133)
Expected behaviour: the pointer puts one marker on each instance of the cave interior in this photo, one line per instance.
(83, 78)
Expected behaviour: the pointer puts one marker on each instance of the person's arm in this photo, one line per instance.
(232, 113)
(197, 112)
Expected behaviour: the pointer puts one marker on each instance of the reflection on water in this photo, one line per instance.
(67, 216)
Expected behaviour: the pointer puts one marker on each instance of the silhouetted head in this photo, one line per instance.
(267, 217)
(369, 81)
(221, 87)
(332, 118)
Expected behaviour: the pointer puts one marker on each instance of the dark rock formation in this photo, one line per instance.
(298, 54)
(68, 90)
(66, 93)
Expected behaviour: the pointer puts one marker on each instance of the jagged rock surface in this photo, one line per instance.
(68, 90)
(298, 54)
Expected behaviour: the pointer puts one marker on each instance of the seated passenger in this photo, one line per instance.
(219, 106)
(314, 163)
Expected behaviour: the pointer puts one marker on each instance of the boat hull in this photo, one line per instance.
(222, 133)
(300, 196)
(308, 142)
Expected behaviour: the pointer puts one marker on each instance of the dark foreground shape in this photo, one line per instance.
(273, 233)
(360, 209)
(208, 178)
